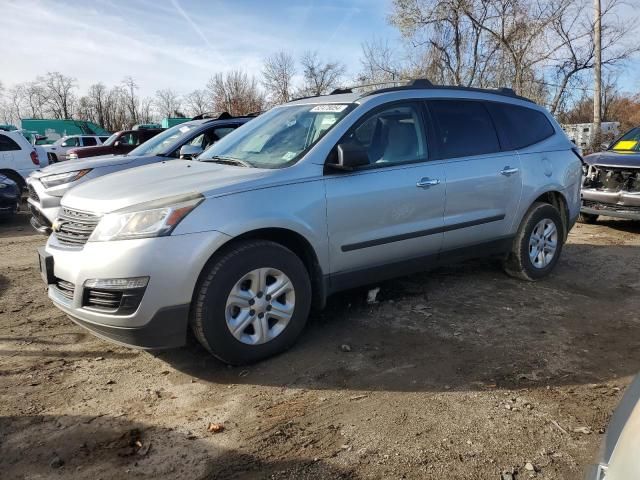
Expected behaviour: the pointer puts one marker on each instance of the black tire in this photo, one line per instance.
(587, 218)
(518, 264)
(17, 178)
(219, 277)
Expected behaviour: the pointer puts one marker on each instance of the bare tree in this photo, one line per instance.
(277, 73)
(447, 45)
(58, 89)
(380, 64)
(197, 102)
(235, 92)
(167, 102)
(97, 98)
(574, 31)
(146, 110)
(319, 77)
(131, 86)
(14, 100)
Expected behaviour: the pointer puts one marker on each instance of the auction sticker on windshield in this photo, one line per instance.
(328, 108)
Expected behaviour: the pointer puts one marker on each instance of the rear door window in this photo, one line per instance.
(7, 144)
(463, 128)
(71, 142)
(89, 141)
(128, 139)
(519, 127)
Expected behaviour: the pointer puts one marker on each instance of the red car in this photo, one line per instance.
(117, 144)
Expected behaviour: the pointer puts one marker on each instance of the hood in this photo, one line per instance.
(614, 159)
(159, 180)
(81, 164)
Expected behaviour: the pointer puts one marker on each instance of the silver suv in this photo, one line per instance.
(315, 196)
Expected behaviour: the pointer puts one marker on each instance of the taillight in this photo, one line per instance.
(34, 157)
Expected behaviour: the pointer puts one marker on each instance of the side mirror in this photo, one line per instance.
(117, 143)
(349, 156)
(188, 152)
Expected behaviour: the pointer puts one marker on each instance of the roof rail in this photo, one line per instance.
(213, 116)
(252, 114)
(420, 83)
(423, 83)
(339, 91)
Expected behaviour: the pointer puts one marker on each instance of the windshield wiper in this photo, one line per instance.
(227, 161)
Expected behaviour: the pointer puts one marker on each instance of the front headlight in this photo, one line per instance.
(60, 178)
(151, 219)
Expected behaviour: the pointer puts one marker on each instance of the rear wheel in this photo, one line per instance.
(588, 218)
(537, 245)
(252, 302)
(17, 178)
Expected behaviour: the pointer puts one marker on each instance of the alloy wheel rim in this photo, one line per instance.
(543, 243)
(260, 306)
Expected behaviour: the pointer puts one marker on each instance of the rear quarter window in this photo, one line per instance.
(7, 144)
(519, 127)
(463, 128)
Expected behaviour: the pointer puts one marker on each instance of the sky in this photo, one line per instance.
(180, 44)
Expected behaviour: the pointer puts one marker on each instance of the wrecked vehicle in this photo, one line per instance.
(611, 182)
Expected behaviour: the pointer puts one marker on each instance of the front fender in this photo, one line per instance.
(299, 207)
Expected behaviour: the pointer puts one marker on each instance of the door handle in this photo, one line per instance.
(508, 171)
(427, 182)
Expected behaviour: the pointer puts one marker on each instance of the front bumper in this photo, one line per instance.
(9, 200)
(43, 206)
(173, 265)
(166, 329)
(9, 208)
(612, 204)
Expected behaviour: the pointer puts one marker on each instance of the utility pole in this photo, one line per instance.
(597, 72)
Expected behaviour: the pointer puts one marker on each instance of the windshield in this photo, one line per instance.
(629, 142)
(158, 145)
(111, 139)
(278, 138)
(60, 141)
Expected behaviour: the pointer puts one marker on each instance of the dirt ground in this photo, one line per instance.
(458, 373)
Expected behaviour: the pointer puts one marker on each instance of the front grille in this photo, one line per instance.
(75, 227)
(102, 299)
(65, 288)
(612, 207)
(33, 195)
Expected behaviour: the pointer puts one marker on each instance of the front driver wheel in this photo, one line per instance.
(537, 245)
(252, 302)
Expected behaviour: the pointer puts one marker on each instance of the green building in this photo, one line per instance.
(172, 122)
(55, 129)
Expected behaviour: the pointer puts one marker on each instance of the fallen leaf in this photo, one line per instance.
(215, 428)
